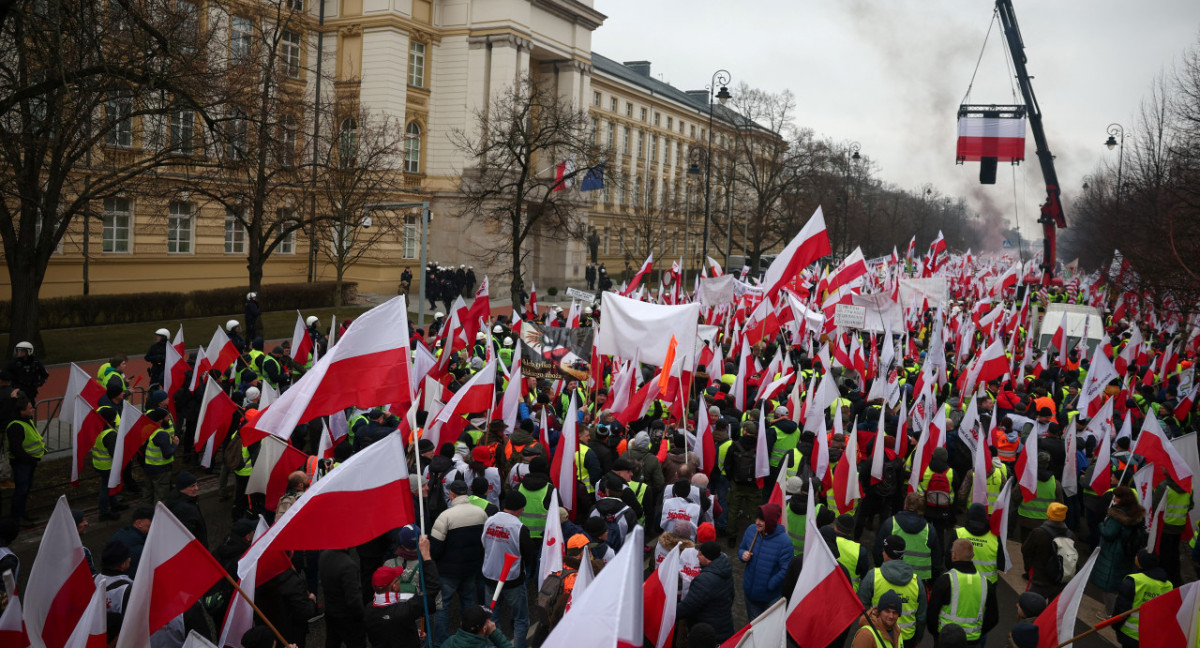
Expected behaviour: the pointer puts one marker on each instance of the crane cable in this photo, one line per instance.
(995, 18)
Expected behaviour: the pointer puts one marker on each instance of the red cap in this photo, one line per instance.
(385, 575)
(483, 455)
(706, 533)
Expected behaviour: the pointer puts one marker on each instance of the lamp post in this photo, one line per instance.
(723, 78)
(692, 173)
(852, 157)
(1116, 130)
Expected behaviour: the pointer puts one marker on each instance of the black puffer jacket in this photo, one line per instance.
(284, 599)
(710, 598)
(188, 511)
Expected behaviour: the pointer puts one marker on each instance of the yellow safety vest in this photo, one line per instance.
(581, 470)
(1177, 507)
(916, 552)
(995, 483)
(783, 443)
(154, 455)
(1035, 509)
(1145, 588)
(848, 554)
(639, 491)
(968, 598)
(909, 595)
(534, 514)
(987, 548)
(101, 458)
(32, 443)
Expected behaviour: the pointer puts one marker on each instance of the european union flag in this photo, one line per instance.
(593, 179)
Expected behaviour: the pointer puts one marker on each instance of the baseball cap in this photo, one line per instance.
(577, 541)
(385, 575)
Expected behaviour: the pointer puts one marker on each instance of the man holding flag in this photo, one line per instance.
(507, 550)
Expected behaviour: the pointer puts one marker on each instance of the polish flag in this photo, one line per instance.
(476, 395)
(239, 618)
(276, 460)
(1027, 467)
(176, 371)
(481, 309)
(368, 365)
(762, 457)
(1059, 339)
(1186, 402)
(216, 413)
(553, 544)
(531, 312)
(361, 499)
(828, 599)
(564, 175)
(510, 401)
(201, 369)
(1099, 374)
(221, 352)
(12, 625)
(609, 613)
(562, 466)
(174, 572)
(1171, 619)
(846, 488)
(1006, 280)
(878, 454)
(767, 630)
(932, 437)
(1102, 475)
(86, 429)
(135, 429)
(705, 447)
(810, 244)
(79, 383)
(92, 630)
(302, 344)
(60, 583)
(992, 364)
(1129, 355)
(1056, 624)
(998, 519)
(1153, 444)
(660, 595)
(647, 265)
(981, 468)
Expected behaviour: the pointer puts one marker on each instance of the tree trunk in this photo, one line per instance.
(254, 266)
(337, 285)
(515, 287)
(26, 286)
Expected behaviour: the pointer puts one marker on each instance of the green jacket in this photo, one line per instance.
(464, 639)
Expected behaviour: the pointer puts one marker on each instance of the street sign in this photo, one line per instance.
(847, 316)
(1007, 244)
(575, 293)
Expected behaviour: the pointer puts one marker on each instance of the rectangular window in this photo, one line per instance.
(118, 219)
(654, 148)
(612, 104)
(412, 235)
(607, 240)
(641, 143)
(118, 110)
(287, 244)
(182, 131)
(241, 40)
(236, 132)
(693, 135)
(595, 98)
(289, 54)
(628, 136)
(416, 64)
(669, 124)
(612, 136)
(657, 115)
(235, 234)
(643, 114)
(628, 109)
(595, 131)
(287, 141)
(295, 5)
(189, 24)
(180, 222)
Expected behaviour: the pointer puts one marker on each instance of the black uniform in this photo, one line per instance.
(28, 374)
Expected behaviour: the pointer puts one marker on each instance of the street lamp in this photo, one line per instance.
(852, 157)
(1116, 130)
(723, 78)
(693, 172)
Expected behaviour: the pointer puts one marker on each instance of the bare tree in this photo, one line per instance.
(93, 96)
(358, 174)
(509, 187)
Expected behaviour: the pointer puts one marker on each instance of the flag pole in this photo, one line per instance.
(1099, 626)
(421, 513)
(257, 611)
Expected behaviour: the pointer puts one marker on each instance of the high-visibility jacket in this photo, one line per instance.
(101, 457)
(723, 450)
(916, 552)
(154, 455)
(581, 470)
(795, 529)
(968, 599)
(848, 551)
(1035, 509)
(987, 548)
(481, 502)
(1177, 507)
(909, 594)
(995, 483)
(796, 462)
(783, 444)
(534, 514)
(1144, 589)
(32, 443)
(639, 491)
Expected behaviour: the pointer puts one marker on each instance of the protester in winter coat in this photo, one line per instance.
(1037, 552)
(344, 609)
(710, 597)
(456, 543)
(1118, 547)
(766, 550)
(925, 547)
(639, 454)
(183, 504)
(392, 618)
(289, 605)
(893, 574)
(477, 631)
(950, 589)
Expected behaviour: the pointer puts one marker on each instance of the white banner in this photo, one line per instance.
(636, 330)
(717, 291)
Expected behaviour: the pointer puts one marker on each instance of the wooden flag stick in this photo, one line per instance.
(1099, 626)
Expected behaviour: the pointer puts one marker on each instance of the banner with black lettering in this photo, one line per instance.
(555, 352)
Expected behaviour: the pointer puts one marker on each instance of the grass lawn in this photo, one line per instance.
(96, 342)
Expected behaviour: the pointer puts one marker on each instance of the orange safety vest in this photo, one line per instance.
(1007, 450)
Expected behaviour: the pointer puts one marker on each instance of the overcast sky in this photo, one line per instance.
(890, 74)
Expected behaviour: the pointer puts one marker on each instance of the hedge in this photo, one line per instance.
(94, 310)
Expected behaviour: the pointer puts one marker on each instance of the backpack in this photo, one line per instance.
(549, 607)
(231, 454)
(1061, 567)
(1135, 540)
(743, 466)
(938, 499)
(891, 478)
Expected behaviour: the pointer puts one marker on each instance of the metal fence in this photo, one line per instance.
(57, 433)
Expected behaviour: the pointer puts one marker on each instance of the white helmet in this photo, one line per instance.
(252, 394)
(587, 310)
(163, 332)
(479, 336)
(497, 329)
(508, 341)
(251, 295)
(462, 265)
(28, 346)
(310, 320)
(230, 325)
(439, 315)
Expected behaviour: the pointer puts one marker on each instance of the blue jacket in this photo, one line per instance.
(762, 581)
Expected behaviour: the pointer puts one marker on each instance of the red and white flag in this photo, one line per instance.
(175, 370)
(998, 519)
(704, 447)
(932, 437)
(828, 599)
(12, 625)
(302, 344)
(660, 595)
(846, 488)
(60, 582)
(647, 265)
(1153, 444)
(240, 616)
(553, 544)
(1056, 624)
(216, 414)
(175, 570)
(276, 460)
(1171, 619)
(767, 630)
(135, 429)
(221, 351)
(762, 454)
(361, 499)
(200, 372)
(92, 629)
(510, 401)
(1027, 468)
(562, 466)
(79, 383)
(810, 244)
(476, 395)
(564, 175)
(369, 365)
(86, 428)
(609, 613)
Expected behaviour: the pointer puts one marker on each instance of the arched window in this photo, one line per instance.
(348, 141)
(412, 148)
